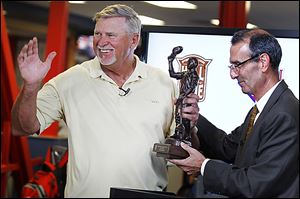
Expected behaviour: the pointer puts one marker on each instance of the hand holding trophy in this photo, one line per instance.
(171, 149)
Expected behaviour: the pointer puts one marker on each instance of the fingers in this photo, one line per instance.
(191, 113)
(177, 162)
(186, 167)
(50, 58)
(189, 173)
(194, 154)
(192, 164)
(191, 109)
(194, 173)
(192, 98)
(186, 147)
(189, 170)
(35, 46)
(23, 54)
(28, 49)
(181, 161)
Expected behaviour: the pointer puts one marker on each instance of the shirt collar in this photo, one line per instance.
(263, 101)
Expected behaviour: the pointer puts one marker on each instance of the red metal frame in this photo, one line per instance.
(232, 14)
(16, 160)
(56, 41)
(15, 154)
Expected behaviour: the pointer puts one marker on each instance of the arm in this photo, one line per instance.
(171, 58)
(215, 143)
(24, 120)
(33, 70)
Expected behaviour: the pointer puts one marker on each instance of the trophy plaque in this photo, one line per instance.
(171, 149)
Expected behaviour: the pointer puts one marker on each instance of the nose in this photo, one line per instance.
(101, 41)
(233, 74)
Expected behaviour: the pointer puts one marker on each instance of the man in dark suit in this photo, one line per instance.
(259, 160)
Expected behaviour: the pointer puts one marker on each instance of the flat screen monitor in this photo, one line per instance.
(223, 102)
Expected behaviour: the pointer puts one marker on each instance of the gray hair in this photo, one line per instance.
(119, 10)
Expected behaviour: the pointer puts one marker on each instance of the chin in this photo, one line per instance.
(245, 91)
(106, 62)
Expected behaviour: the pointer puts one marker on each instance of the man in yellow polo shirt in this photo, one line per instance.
(115, 106)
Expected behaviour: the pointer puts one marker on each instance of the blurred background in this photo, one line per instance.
(26, 19)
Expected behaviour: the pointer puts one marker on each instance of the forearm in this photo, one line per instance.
(24, 120)
(212, 141)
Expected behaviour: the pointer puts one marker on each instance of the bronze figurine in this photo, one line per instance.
(188, 83)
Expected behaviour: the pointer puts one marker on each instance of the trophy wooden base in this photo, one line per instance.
(170, 150)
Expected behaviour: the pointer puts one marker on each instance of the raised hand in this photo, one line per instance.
(32, 69)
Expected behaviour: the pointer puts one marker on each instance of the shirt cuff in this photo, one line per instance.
(203, 166)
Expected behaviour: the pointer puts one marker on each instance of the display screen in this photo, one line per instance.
(223, 102)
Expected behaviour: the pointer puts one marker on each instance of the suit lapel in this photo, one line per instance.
(271, 102)
(241, 157)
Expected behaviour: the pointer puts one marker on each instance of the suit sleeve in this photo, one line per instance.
(215, 143)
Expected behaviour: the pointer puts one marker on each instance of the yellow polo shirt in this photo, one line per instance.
(111, 135)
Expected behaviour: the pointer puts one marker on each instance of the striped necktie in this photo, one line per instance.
(251, 121)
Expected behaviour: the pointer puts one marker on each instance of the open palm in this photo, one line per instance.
(32, 69)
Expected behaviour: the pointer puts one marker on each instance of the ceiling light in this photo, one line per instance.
(216, 22)
(151, 21)
(173, 4)
(251, 26)
(77, 2)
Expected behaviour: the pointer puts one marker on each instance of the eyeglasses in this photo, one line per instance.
(238, 65)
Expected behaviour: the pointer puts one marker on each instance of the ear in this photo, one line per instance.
(135, 40)
(265, 61)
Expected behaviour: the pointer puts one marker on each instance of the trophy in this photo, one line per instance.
(171, 149)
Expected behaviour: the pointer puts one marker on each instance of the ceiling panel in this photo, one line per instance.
(265, 14)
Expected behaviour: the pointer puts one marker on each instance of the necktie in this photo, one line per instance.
(251, 121)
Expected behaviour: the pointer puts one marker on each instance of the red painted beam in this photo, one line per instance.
(57, 36)
(13, 156)
(7, 60)
(232, 14)
(56, 41)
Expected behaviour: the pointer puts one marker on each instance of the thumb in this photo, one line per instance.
(185, 147)
(50, 58)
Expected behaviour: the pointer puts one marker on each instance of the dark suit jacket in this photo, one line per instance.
(267, 165)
